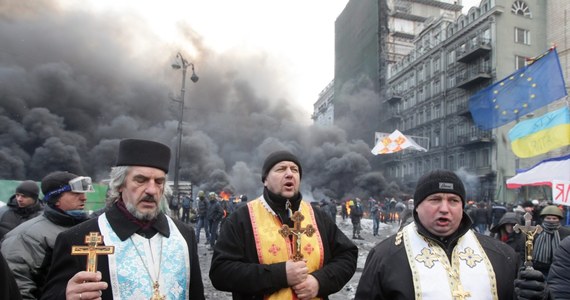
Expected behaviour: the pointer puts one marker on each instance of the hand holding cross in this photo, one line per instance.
(529, 231)
(92, 250)
(296, 233)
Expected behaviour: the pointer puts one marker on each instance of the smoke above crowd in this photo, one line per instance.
(74, 83)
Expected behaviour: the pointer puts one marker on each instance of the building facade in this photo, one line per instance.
(430, 88)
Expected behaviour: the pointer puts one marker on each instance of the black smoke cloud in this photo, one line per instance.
(73, 84)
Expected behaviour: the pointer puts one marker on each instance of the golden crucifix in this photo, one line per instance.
(529, 231)
(93, 239)
(296, 233)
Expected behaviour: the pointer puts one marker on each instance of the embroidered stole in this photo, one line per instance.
(470, 271)
(129, 276)
(274, 248)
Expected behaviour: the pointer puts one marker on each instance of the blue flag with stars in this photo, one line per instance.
(520, 93)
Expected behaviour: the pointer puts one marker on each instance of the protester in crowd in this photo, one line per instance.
(559, 275)
(504, 231)
(22, 206)
(481, 218)
(498, 210)
(356, 213)
(344, 210)
(530, 207)
(332, 209)
(438, 256)
(253, 260)
(186, 206)
(202, 217)
(546, 242)
(154, 255)
(28, 247)
(214, 216)
(8, 286)
(376, 213)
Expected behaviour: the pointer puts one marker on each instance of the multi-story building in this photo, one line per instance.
(369, 36)
(423, 60)
(324, 109)
(430, 89)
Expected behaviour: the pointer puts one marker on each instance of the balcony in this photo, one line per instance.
(475, 137)
(474, 50)
(393, 96)
(463, 109)
(395, 117)
(473, 76)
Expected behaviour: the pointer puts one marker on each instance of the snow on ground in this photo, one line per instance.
(345, 293)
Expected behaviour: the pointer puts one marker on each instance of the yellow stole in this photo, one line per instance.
(274, 248)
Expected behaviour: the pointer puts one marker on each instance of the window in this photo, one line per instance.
(522, 36)
(436, 64)
(521, 8)
(436, 86)
(451, 57)
(520, 61)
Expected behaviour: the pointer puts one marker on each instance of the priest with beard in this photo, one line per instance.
(253, 259)
(154, 256)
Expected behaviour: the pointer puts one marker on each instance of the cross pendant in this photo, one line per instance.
(156, 292)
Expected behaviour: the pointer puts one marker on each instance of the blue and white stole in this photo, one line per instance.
(435, 277)
(131, 278)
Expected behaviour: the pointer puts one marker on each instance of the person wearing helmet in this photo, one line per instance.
(28, 247)
(546, 242)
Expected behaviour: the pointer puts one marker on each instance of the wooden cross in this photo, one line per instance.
(296, 233)
(460, 293)
(529, 231)
(93, 239)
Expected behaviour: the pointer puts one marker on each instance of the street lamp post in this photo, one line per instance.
(194, 79)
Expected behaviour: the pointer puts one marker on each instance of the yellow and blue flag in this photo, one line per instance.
(539, 135)
(520, 93)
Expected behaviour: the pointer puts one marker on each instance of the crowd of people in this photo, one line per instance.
(276, 246)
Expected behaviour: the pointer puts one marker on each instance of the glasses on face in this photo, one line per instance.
(81, 184)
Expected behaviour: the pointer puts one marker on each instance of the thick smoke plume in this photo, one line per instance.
(74, 83)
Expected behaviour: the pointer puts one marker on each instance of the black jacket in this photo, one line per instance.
(388, 276)
(12, 215)
(559, 275)
(235, 265)
(65, 265)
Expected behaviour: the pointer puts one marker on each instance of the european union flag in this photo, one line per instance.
(520, 93)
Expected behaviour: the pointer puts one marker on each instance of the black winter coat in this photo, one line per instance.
(12, 215)
(559, 275)
(388, 276)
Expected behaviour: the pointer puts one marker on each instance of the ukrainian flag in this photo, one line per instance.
(540, 135)
(520, 93)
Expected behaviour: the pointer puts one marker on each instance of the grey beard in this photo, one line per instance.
(141, 216)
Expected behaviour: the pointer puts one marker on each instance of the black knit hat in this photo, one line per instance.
(133, 152)
(28, 188)
(438, 181)
(277, 157)
(54, 181)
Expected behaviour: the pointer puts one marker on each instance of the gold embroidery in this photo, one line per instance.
(470, 257)
(460, 294)
(398, 238)
(427, 257)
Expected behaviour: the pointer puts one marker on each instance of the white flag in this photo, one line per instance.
(395, 142)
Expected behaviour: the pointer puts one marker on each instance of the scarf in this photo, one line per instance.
(546, 242)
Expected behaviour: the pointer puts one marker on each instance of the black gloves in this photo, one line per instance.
(531, 285)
